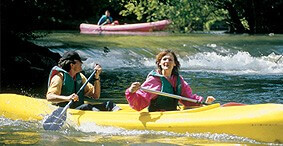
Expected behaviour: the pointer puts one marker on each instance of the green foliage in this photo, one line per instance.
(242, 16)
(20, 17)
(245, 24)
(185, 15)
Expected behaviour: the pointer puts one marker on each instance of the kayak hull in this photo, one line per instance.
(137, 28)
(261, 122)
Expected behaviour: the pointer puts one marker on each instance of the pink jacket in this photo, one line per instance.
(141, 99)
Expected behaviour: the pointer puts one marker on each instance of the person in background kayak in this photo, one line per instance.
(66, 79)
(166, 79)
(107, 19)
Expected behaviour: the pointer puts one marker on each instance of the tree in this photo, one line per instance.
(252, 16)
(185, 15)
(242, 16)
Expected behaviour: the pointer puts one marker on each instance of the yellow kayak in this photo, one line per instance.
(261, 122)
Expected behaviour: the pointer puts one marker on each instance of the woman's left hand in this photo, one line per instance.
(209, 99)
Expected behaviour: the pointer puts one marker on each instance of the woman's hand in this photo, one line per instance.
(98, 69)
(209, 99)
(135, 87)
(73, 97)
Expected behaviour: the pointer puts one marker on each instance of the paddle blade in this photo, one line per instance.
(55, 121)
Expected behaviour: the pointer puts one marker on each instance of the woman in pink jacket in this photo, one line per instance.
(166, 79)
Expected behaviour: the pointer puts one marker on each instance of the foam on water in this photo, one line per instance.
(17, 124)
(92, 129)
(107, 130)
(112, 59)
(238, 63)
(229, 62)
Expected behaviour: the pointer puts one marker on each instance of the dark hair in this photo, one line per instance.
(68, 58)
(159, 56)
(65, 64)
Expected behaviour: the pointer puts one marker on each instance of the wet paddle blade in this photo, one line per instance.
(55, 121)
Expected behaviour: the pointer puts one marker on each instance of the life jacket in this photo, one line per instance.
(163, 103)
(69, 86)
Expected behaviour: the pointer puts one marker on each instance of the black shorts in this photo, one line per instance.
(105, 106)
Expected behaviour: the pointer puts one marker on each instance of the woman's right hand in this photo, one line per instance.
(73, 97)
(135, 87)
(209, 99)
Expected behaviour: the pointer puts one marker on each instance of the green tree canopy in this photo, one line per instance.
(242, 16)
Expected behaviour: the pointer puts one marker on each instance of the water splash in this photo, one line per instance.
(222, 137)
(87, 131)
(219, 61)
(6, 124)
(238, 63)
(112, 59)
(114, 131)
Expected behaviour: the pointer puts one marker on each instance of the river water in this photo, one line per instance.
(234, 71)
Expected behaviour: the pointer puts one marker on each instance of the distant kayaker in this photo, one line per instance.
(165, 78)
(66, 79)
(107, 19)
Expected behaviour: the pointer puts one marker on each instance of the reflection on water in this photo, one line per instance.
(19, 137)
(91, 134)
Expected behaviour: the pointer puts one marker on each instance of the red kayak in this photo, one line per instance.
(124, 29)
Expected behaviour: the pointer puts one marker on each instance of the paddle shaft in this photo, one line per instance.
(174, 96)
(278, 58)
(104, 23)
(71, 101)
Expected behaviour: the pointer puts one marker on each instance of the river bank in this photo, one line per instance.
(24, 65)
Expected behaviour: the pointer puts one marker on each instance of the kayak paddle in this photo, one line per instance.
(174, 96)
(56, 120)
(278, 59)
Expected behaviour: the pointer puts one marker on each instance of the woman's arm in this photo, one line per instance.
(141, 99)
